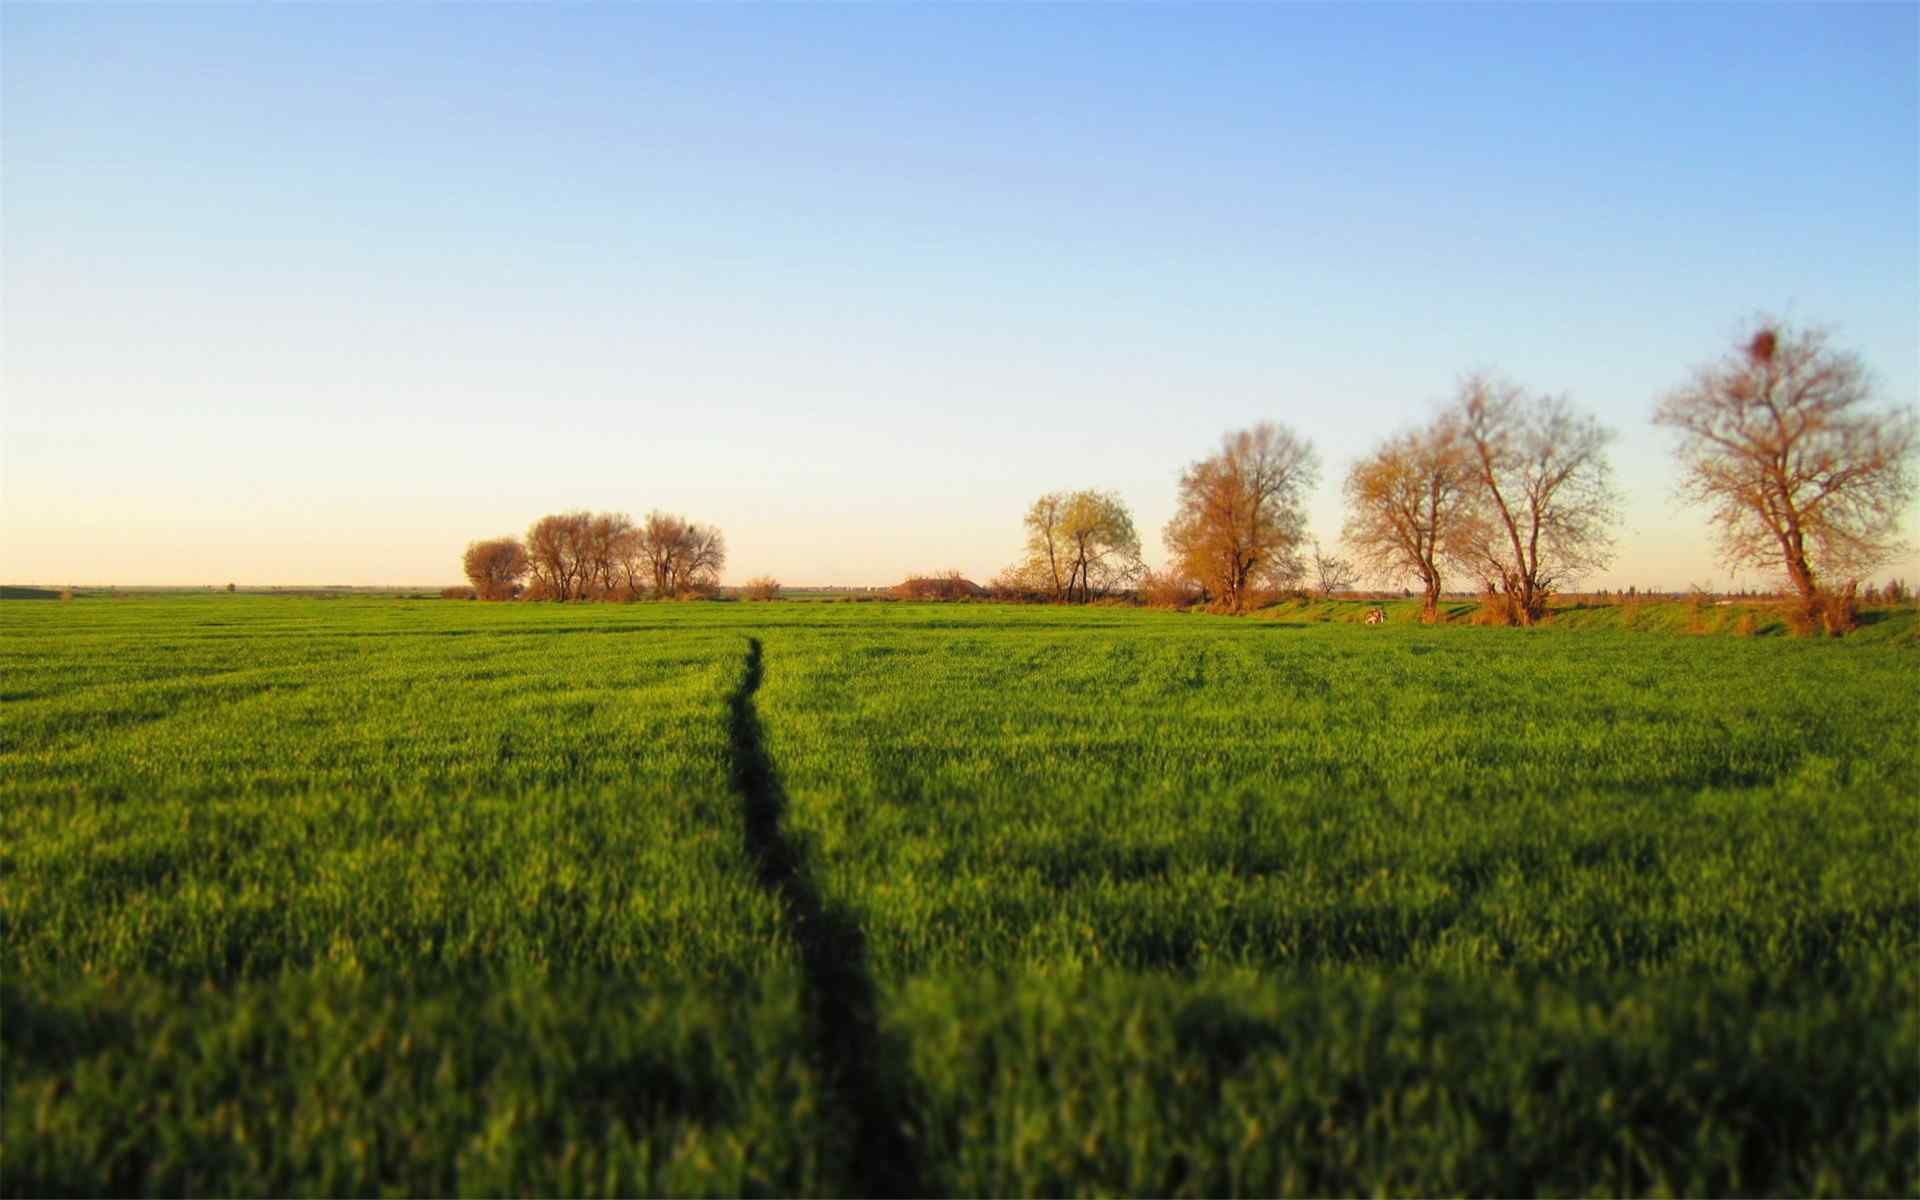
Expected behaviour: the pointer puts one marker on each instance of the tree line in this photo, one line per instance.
(582, 555)
(1507, 490)
(1512, 491)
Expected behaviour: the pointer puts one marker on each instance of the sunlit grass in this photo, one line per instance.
(357, 895)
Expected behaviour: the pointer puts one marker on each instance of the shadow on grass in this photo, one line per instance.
(863, 1069)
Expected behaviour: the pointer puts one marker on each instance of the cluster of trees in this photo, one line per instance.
(1237, 531)
(583, 555)
(1080, 545)
(1513, 491)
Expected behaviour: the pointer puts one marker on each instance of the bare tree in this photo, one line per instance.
(559, 554)
(1079, 545)
(1544, 489)
(661, 536)
(1331, 573)
(495, 567)
(632, 565)
(1801, 476)
(1240, 520)
(608, 543)
(1406, 503)
(682, 556)
(705, 558)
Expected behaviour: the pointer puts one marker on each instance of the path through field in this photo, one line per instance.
(840, 996)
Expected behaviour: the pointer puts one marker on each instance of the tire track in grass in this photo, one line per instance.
(833, 956)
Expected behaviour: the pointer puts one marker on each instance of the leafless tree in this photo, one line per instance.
(607, 548)
(560, 553)
(1544, 492)
(1800, 474)
(1331, 574)
(1240, 519)
(683, 557)
(705, 558)
(1079, 545)
(495, 567)
(1405, 504)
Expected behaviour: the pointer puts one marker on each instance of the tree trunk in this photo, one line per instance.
(1799, 571)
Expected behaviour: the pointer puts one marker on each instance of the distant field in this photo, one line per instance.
(343, 895)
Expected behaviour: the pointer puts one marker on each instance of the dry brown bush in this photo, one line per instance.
(1168, 589)
(1699, 610)
(764, 587)
(947, 585)
(1495, 609)
(459, 593)
(1011, 586)
(1840, 611)
(1803, 619)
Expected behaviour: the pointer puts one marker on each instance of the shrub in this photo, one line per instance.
(459, 593)
(1015, 586)
(765, 587)
(948, 585)
(1167, 589)
(1699, 609)
(1803, 617)
(1840, 611)
(1495, 609)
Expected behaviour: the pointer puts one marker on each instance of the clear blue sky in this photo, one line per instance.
(318, 294)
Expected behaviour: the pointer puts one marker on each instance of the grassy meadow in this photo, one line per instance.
(343, 895)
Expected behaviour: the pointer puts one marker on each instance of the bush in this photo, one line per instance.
(1495, 609)
(948, 585)
(1803, 616)
(1840, 611)
(765, 587)
(459, 593)
(1166, 589)
(1013, 586)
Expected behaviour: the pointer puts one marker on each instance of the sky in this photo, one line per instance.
(319, 294)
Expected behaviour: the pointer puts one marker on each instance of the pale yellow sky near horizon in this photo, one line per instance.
(72, 513)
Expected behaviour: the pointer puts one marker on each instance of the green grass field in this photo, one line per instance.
(351, 895)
